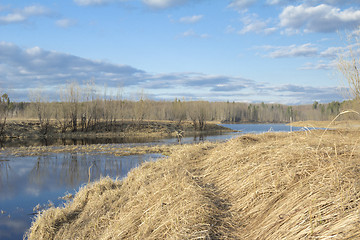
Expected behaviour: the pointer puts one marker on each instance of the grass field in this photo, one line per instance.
(344, 124)
(300, 185)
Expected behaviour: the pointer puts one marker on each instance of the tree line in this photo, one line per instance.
(83, 108)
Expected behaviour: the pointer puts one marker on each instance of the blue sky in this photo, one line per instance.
(217, 50)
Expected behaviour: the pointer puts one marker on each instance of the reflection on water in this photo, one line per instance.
(244, 128)
(15, 142)
(28, 181)
(190, 138)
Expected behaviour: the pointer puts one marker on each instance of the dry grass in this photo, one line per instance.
(97, 149)
(269, 186)
(341, 124)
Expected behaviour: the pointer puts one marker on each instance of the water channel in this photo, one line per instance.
(28, 181)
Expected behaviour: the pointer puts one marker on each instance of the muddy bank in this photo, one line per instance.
(302, 185)
(24, 133)
(96, 149)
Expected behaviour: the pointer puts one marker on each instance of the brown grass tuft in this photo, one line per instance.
(269, 186)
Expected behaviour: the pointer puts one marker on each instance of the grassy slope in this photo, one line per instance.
(272, 186)
(342, 124)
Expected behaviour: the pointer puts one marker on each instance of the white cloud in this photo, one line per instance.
(241, 5)
(65, 23)
(161, 4)
(230, 29)
(270, 30)
(191, 19)
(192, 33)
(252, 23)
(23, 69)
(2, 8)
(333, 2)
(223, 88)
(273, 2)
(155, 4)
(35, 51)
(305, 50)
(12, 18)
(312, 2)
(34, 10)
(332, 52)
(321, 18)
(320, 65)
(21, 15)
(92, 2)
(189, 33)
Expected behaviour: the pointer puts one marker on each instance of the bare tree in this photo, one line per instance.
(178, 110)
(141, 108)
(192, 113)
(91, 115)
(203, 113)
(42, 109)
(70, 97)
(5, 106)
(119, 104)
(198, 112)
(108, 110)
(348, 64)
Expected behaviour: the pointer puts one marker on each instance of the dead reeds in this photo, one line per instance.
(268, 186)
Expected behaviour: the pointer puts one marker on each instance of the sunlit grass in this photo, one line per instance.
(268, 186)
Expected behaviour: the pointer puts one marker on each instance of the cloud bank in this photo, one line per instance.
(322, 18)
(34, 67)
(24, 69)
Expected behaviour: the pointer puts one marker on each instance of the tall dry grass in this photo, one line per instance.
(269, 186)
(282, 186)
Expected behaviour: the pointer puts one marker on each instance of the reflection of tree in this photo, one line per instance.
(73, 169)
(39, 171)
(5, 170)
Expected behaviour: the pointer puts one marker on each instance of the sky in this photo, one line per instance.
(272, 51)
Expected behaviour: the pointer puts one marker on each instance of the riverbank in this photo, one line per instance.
(300, 185)
(95, 149)
(25, 132)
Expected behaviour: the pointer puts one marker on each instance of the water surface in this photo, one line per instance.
(30, 180)
(262, 128)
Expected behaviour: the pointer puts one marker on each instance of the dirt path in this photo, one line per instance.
(223, 225)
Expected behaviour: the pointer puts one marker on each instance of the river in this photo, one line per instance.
(27, 181)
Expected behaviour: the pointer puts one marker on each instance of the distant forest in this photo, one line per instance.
(177, 110)
(81, 108)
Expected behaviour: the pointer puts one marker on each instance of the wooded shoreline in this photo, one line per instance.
(27, 130)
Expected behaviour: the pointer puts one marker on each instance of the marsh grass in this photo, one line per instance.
(97, 149)
(268, 186)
